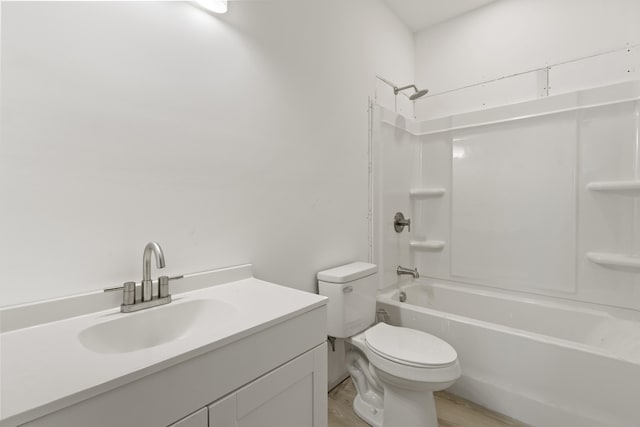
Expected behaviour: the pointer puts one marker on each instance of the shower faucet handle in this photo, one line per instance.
(399, 223)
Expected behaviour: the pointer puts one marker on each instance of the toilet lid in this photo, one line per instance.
(409, 347)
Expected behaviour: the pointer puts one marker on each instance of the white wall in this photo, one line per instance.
(514, 36)
(228, 139)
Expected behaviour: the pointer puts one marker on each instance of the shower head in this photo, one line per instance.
(414, 96)
(419, 94)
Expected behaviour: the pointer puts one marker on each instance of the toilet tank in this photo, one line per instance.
(351, 290)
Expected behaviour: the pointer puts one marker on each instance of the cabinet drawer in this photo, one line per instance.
(293, 395)
(197, 419)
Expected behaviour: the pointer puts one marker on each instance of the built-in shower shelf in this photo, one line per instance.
(427, 245)
(625, 188)
(423, 193)
(612, 260)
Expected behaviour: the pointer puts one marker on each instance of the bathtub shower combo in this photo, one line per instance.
(525, 229)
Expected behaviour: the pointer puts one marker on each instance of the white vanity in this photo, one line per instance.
(242, 353)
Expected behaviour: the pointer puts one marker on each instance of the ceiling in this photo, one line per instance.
(420, 14)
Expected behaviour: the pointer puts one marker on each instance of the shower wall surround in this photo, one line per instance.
(541, 197)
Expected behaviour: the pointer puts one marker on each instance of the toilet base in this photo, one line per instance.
(370, 414)
(402, 409)
(406, 408)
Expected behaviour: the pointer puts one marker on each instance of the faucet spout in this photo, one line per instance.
(151, 248)
(412, 272)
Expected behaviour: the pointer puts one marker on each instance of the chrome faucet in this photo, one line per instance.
(152, 247)
(130, 302)
(403, 270)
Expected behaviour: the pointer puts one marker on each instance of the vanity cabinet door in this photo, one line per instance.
(294, 395)
(197, 419)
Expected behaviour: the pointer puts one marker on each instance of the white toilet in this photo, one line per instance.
(395, 370)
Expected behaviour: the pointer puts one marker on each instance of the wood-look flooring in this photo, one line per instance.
(452, 411)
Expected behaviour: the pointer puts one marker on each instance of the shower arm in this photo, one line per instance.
(397, 89)
(389, 83)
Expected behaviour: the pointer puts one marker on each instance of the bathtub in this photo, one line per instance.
(543, 362)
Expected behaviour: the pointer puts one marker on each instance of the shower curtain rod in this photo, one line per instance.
(619, 49)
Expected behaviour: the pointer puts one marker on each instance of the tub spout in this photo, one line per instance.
(403, 270)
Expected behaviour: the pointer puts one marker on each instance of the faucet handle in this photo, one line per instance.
(163, 286)
(399, 222)
(129, 294)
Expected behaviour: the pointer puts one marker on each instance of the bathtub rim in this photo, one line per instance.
(387, 295)
(622, 313)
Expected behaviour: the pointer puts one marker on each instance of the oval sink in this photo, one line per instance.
(155, 326)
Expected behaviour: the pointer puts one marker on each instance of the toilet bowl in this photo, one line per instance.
(395, 370)
(395, 383)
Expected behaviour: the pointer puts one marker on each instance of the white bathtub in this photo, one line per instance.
(545, 363)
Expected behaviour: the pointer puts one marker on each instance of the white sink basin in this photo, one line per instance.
(155, 326)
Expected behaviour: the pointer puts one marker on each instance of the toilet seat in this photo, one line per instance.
(409, 347)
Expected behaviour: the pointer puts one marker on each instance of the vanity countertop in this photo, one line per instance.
(46, 367)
